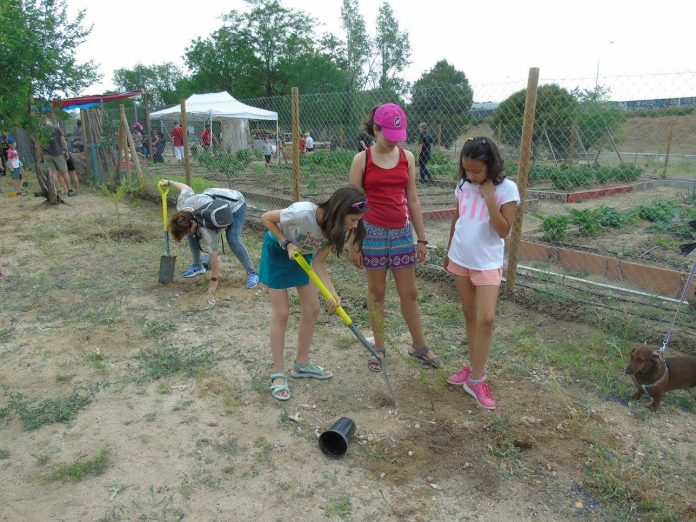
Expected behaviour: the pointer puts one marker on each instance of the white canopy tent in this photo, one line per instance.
(233, 115)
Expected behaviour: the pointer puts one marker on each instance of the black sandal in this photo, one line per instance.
(422, 355)
(376, 360)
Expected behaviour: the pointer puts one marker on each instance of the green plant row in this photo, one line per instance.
(574, 176)
(665, 215)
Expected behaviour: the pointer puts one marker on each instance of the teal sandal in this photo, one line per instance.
(277, 389)
(374, 363)
(309, 371)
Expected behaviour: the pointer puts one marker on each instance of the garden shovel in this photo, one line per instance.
(166, 272)
(346, 319)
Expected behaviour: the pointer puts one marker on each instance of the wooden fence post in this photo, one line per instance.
(187, 159)
(522, 175)
(148, 124)
(295, 144)
(669, 146)
(571, 146)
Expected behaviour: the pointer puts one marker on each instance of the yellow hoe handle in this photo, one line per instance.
(322, 288)
(164, 193)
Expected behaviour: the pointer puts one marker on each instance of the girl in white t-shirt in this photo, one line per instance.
(487, 207)
(313, 231)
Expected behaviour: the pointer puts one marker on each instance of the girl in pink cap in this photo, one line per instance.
(387, 173)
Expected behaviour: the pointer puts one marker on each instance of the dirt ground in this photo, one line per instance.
(123, 399)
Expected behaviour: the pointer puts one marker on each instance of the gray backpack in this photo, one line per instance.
(217, 214)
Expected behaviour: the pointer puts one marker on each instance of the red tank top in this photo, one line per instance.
(386, 192)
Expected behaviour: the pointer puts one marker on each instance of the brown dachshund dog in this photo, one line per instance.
(655, 376)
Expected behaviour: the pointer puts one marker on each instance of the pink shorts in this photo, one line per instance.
(491, 277)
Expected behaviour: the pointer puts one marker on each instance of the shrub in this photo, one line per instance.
(554, 228)
(614, 218)
(571, 178)
(659, 210)
(587, 221)
(627, 172)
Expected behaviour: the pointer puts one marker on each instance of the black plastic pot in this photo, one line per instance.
(334, 441)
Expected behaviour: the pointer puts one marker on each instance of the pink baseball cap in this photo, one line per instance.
(392, 119)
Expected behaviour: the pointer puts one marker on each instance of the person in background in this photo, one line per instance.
(309, 143)
(4, 145)
(267, 150)
(487, 207)
(55, 154)
(177, 135)
(388, 174)
(159, 142)
(425, 142)
(208, 138)
(364, 141)
(70, 178)
(14, 166)
(78, 145)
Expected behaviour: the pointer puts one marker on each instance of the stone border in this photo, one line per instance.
(570, 197)
(663, 281)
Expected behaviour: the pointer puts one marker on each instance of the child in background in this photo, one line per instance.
(487, 204)
(267, 150)
(314, 231)
(14, 166)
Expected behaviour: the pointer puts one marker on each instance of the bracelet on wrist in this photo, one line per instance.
(422, 241)
(215, 279)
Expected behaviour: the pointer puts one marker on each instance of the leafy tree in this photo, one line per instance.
(224, 62)
(442, 96)
(357, 45)
(253, 51)
(556, 108)
(39, 40)
(393, 49)
(596, 116)
(163, 83)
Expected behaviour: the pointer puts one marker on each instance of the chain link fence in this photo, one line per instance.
(611, 192)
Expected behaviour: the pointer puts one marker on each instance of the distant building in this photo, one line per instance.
(482, 110)
(659, 103)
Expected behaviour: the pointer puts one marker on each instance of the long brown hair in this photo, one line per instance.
(344, 201)
(485, 150)
(180, 224)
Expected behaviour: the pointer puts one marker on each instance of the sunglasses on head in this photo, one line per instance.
(360, 206)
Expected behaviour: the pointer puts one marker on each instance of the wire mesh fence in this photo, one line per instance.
(611, 192)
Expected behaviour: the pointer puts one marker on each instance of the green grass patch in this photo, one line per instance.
(35, 414)
(338, 507)
(155, 328)
(4, 454)
(170, 360)
(597, 363)
(78, 471)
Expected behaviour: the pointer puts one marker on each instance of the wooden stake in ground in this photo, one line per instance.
(148, 124)
(669, 146)
(295, 144)
(522, 175)
(184, 125)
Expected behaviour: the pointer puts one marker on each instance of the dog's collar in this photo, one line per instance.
(645, 387)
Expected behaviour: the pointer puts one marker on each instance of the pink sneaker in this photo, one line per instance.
(480, 392)
(460, 377)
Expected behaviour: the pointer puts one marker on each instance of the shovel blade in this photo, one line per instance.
(166, 272)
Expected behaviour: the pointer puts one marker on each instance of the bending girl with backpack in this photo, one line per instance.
(313, 231)
(200, 218)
